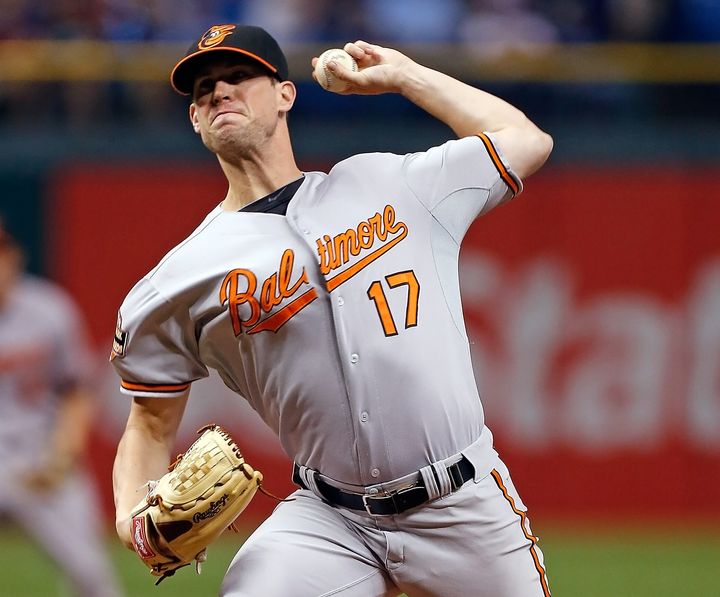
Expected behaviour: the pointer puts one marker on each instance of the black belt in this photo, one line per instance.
(390, 503)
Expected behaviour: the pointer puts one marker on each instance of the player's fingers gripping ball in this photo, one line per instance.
(189, 507)
(325, 77)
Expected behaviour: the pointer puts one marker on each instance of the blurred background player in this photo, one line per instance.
(45, 415)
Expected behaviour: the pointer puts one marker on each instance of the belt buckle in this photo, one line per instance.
(382, 494)
(365, 498)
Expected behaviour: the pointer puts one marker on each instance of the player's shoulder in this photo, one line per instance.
(199, 234)
(177, 259)
(373, 160)
(362, 168)
(389, 160)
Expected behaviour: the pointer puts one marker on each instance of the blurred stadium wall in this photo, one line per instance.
(593, 301)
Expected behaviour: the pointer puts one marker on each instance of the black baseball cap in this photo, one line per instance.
(248, 40)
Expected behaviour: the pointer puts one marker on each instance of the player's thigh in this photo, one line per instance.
(305, 549)
(50, 516)
(477, 541)
(66, 522)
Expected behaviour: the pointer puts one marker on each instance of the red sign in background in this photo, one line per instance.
(593, 309)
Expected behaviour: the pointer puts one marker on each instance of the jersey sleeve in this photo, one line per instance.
(460, 180)
(155, 349)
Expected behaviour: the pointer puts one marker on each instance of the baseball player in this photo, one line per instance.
(45, 417)
(331, 303)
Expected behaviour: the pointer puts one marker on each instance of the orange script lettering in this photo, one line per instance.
(273, 291)
(336, 251)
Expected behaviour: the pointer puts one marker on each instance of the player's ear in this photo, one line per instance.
(287, 92)
(194, 118)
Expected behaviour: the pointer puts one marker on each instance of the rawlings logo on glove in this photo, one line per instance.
(188, 508)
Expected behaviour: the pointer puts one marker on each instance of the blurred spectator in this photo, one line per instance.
(126, 20)
(60, 19)
(490, 26)
(383, 20)
(576, 20)
(347, 20)
(67, 19)
(309, 20)
(497, 26)
(45, 417)
(424, 21)
(15, 19)
(289, 20)
(636, 20)
(177, 20)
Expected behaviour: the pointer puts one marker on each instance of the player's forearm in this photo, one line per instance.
(70, 435)
(143, 453)
(465, 109)
(139, 459)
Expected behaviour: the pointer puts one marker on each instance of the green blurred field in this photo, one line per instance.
(612, 562)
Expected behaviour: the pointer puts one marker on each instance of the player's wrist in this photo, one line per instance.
(124, 530)
(413, 80)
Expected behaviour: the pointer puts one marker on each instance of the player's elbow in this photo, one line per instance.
(537, 145)
(544, 144)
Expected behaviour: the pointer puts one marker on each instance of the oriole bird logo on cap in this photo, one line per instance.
(215, 35)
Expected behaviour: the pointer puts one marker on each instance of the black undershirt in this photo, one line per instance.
(277, 201)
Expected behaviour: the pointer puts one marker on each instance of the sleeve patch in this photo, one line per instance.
(119, 340)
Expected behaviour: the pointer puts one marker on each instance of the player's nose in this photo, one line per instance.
(221, 91)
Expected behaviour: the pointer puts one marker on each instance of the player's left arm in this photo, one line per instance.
(465, 109)
(71, 378)
(143, 453)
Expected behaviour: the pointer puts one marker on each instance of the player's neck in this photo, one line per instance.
(254, 174)
(253, 181)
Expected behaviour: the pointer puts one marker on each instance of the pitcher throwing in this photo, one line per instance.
(331, 303)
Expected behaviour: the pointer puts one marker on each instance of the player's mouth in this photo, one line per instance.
(224, 113)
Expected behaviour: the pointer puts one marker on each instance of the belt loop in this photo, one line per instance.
(308, 477)
(443, 477)
(430, 482)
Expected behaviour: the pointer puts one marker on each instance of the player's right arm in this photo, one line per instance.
(143, 454)
(464, 108)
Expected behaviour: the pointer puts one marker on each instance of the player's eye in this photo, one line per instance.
(204, 86)
(236, 77)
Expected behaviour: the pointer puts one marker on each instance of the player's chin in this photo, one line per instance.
(232, 148)
(223, 135)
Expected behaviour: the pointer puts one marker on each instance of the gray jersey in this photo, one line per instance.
(43, 351)
(43, 354)
(304, 315)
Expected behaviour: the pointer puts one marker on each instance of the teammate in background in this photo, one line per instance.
(331, 303)
(45, 413)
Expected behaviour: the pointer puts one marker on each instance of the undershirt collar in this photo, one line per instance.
(277, 201)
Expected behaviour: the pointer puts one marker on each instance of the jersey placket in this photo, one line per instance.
(343, 300)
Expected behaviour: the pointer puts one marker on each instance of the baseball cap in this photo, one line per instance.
(248, 40)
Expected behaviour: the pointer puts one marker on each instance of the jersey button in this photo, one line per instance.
(375, 472)
(341, 301)
(354, 358)
(364, 417)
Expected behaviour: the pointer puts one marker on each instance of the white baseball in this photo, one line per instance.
(326, 79)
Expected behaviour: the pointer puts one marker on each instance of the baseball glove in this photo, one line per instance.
(188, 508)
